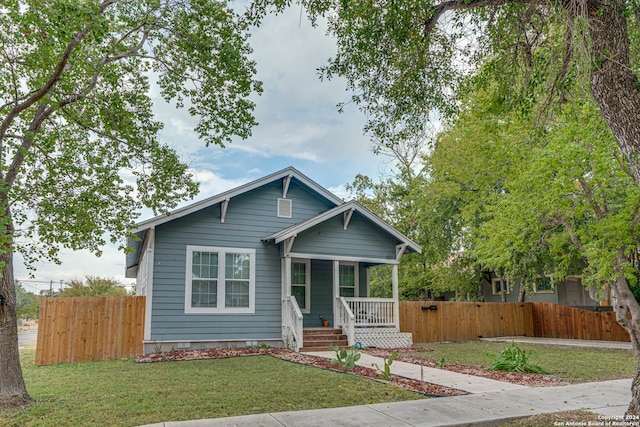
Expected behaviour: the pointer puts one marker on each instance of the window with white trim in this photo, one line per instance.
(499, 287)
(348, 279)
(220, 280)
(301, 284)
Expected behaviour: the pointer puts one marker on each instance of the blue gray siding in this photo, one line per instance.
(512, 296)
(250, 217)
(361, 240)
(321, 293)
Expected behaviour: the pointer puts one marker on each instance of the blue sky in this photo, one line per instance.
(299, 126)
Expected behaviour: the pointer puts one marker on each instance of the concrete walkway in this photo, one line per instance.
(609, 398)
(468, 383)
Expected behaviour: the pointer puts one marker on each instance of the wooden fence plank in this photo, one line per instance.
(83, 329)
(556, 321)
(465, 321)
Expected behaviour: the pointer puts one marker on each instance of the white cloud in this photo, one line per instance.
(340, 191)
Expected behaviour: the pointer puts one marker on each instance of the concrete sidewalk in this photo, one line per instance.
(609, 398)
(468, 383)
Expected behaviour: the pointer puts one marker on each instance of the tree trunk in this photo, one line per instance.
(614, 84)
(503, 286)
(628, 316)
(13, 392)
(625, 303)
(521, 293)
(616, 89)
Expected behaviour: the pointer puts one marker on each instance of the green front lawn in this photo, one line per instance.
(571, 364)
(123, 393)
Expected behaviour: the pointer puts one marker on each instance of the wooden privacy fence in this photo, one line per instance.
(467, 321)
(81, 329)
(464, 321)
(559, 321)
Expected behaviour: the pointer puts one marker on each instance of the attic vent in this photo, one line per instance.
(284, 208)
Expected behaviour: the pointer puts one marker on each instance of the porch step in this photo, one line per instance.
(319, 339)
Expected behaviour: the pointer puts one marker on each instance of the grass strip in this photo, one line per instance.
(571, 364)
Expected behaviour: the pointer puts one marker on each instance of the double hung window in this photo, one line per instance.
(219, 280)
(348, 279)
(301, 284)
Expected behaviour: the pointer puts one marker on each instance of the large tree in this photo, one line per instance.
(556, 200)
(79, 148)
(405, 59)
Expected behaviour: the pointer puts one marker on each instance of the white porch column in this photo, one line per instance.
(368, 279)
(286, 292)
(336, 290)
(285, 271)
(396, 295)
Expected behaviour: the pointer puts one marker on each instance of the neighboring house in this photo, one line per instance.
(569, 291)
(259, 263)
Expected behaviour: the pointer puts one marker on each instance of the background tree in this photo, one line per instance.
(566, 204)
(403, 198)
(79, 154)
(27, 303)
(93, 286)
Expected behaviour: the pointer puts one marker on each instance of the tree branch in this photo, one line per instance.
(572, 235)
(591, 198)
(42, 113)
(438, 10)
(88, 127)
(53, 79)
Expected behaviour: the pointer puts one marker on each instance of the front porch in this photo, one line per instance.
(325, 271)
(361, 322)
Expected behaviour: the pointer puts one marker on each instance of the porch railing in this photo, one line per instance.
(346, 320)
(292, 325)
(373, 311)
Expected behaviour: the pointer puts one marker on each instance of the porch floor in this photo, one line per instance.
(319, 339)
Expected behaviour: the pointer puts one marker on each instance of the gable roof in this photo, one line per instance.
(289, 172)
(353, 206)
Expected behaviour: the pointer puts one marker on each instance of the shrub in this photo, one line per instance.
(514, 359)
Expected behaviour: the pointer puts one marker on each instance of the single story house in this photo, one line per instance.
(262, 262)
(570, 292)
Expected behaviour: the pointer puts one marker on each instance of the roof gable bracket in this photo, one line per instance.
(400, 250)
(223, 209)
(285, 185)
(347, 217)
(288, 244)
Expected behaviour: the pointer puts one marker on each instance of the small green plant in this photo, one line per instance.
(514, 359)
(441, 363)
(262, 346)
(386, 373)
(345, 357)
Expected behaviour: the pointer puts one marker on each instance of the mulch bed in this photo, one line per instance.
(405, 355)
